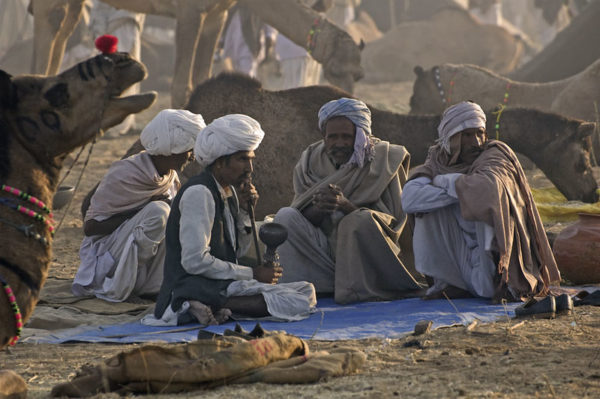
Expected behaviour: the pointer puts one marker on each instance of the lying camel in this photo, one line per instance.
(42, 119)
(571, 51)
(577, 96)
(450, 35)
(557, 145)
(199, 26)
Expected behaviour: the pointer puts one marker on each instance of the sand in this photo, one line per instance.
(507, 359)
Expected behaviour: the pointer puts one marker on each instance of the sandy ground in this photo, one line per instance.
(539, 358)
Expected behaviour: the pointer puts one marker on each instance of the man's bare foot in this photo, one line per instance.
(202, 313)
(222, 315)
(451, 292)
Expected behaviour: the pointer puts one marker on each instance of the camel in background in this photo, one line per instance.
(451, 35)
(572, 50)
(199, 26)
(557, 145)
(42, 119)
(577, 96)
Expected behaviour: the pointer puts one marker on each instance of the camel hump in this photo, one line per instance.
(225, 81)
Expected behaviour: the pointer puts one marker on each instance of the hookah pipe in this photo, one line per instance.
(272, 234)
(254, 232)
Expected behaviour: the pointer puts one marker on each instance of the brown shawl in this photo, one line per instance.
(494, 190)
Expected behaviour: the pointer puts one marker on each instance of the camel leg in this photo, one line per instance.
(74, 14)
(213, 28)
(48, 17)
(187, 35)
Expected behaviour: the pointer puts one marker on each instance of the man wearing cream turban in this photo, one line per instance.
(123, 251)
(346, 221)
(477, 229)
(209, 229)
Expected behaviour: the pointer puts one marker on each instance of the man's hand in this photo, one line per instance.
(268, 275)
(247, 193)
(330, 199)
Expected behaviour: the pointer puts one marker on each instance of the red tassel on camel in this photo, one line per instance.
(107, 44)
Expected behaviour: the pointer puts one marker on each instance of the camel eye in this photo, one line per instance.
(58, 95)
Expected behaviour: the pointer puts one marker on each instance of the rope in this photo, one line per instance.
(71, 167)
(85, 164)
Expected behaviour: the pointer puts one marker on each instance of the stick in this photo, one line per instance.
(254, 233)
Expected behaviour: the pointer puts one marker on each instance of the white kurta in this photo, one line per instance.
(285, 302)
(298, 68)
(448, 248)
(129, 261)
(235, 47)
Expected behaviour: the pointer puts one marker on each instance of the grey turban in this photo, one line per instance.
(172, 131)
(358, 112)
(455, 119)
(227, 135)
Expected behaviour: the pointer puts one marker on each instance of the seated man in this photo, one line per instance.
(477, 229)
(345, 222)
(209, 229)
(123, 251)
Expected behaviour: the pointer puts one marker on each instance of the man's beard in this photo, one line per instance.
(340, 152)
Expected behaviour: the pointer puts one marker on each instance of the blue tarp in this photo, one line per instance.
(330, 322)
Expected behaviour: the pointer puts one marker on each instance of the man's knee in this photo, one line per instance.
(288, 216)
(359, 217)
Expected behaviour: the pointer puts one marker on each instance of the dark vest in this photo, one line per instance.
(179, 286)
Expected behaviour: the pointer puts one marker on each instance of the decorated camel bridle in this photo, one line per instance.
(107, 45)
(44, 216)
(447, 100)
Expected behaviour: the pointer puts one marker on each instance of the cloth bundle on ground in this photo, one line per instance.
(203, 364)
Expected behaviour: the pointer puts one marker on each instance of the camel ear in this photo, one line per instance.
(586, 129)
(361, 45)
(418, 71)
(7, 93)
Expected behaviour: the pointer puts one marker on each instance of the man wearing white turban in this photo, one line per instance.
(477, 229)
(209, 229)
(123, 251)
(345, 223)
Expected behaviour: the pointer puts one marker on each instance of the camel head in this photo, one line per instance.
(41, 120)
(342, 67)
(51, 116)
(573, 170)
(426, 97)
(559, 146)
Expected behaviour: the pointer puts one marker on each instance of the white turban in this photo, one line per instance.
(455, 119)
(227, 135)
(172, 131)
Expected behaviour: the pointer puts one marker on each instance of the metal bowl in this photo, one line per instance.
(62, 196)
(273, 234)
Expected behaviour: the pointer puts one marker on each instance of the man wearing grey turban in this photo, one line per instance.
(209, 229)
(477, 229)
(123, 251)
(345, 223)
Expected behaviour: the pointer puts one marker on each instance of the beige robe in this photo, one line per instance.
(365, 244)
(494, 190)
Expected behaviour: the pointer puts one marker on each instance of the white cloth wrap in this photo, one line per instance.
(458, 117)
(227, 135)
(172, 131)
